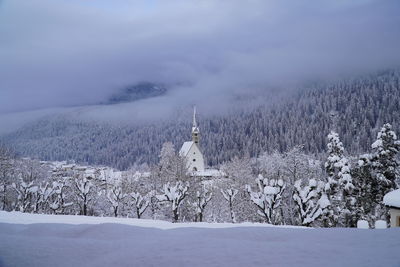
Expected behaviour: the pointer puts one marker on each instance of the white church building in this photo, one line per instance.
(191, 149)
(195, 159)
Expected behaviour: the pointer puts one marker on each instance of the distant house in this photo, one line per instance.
(392, 200)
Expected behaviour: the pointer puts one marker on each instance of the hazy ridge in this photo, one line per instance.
(360, 106)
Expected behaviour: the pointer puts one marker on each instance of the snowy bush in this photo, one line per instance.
(268, 197)
(310, 200)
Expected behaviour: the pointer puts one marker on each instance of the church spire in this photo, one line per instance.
(194, 118)
(195, 129)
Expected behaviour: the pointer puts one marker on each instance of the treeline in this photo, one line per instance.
(354, 108)
(291, 188)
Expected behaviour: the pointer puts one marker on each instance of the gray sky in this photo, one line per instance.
(62, 53)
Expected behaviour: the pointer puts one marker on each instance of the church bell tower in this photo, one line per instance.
(195, 129)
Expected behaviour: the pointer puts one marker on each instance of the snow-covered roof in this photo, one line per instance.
(209, 173)
(185, 148)
(392, 199)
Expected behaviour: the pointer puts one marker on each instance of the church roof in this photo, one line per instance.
(185, 148)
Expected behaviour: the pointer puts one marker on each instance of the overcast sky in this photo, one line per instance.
(61, 53)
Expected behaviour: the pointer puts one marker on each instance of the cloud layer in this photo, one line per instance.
(63, 53)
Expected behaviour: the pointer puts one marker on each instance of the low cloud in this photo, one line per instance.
(68, 53)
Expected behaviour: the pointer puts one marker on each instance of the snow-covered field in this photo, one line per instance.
(48, 240)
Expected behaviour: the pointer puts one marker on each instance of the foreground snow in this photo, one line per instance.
(28, 218)
(45, 240)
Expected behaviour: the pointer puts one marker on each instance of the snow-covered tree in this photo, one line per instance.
(174, 194)
(384, 161)
(295, 165)
(84, 186)
(202, 199)
(115, 196)
(385, 165)
(6, 172)
(268, 197)
(310, 200)
(366, 189)
(240, 173)
(229, 195)
(340, 183)
(25, 191)
(59, 202)
(167, 158)
(43, 195)
(140, 203)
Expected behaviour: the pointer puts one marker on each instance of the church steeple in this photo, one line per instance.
(195, 129)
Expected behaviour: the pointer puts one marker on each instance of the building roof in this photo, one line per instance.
(392, 199)
(185, 148)
(209, 173)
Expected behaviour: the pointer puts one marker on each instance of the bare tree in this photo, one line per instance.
(83, 186)
(202, 199)
(140, 203)
(230, 194)
(175, 195)
(115, 196)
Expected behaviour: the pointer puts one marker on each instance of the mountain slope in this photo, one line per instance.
(357, 108)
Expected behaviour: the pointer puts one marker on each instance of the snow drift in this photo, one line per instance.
(88, 241)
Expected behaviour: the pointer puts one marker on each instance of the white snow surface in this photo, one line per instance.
(392, 198)
(60, 240)
(380, 224)
(16, 217)
(362, 224)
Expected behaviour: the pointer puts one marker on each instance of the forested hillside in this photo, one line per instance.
(356, 108)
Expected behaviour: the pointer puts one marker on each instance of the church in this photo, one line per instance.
(191, 149)
(194, 157)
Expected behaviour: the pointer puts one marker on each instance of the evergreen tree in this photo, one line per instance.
(340, 183)
(366, 188)
(385, 166)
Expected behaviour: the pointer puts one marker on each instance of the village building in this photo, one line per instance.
(392, 200)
